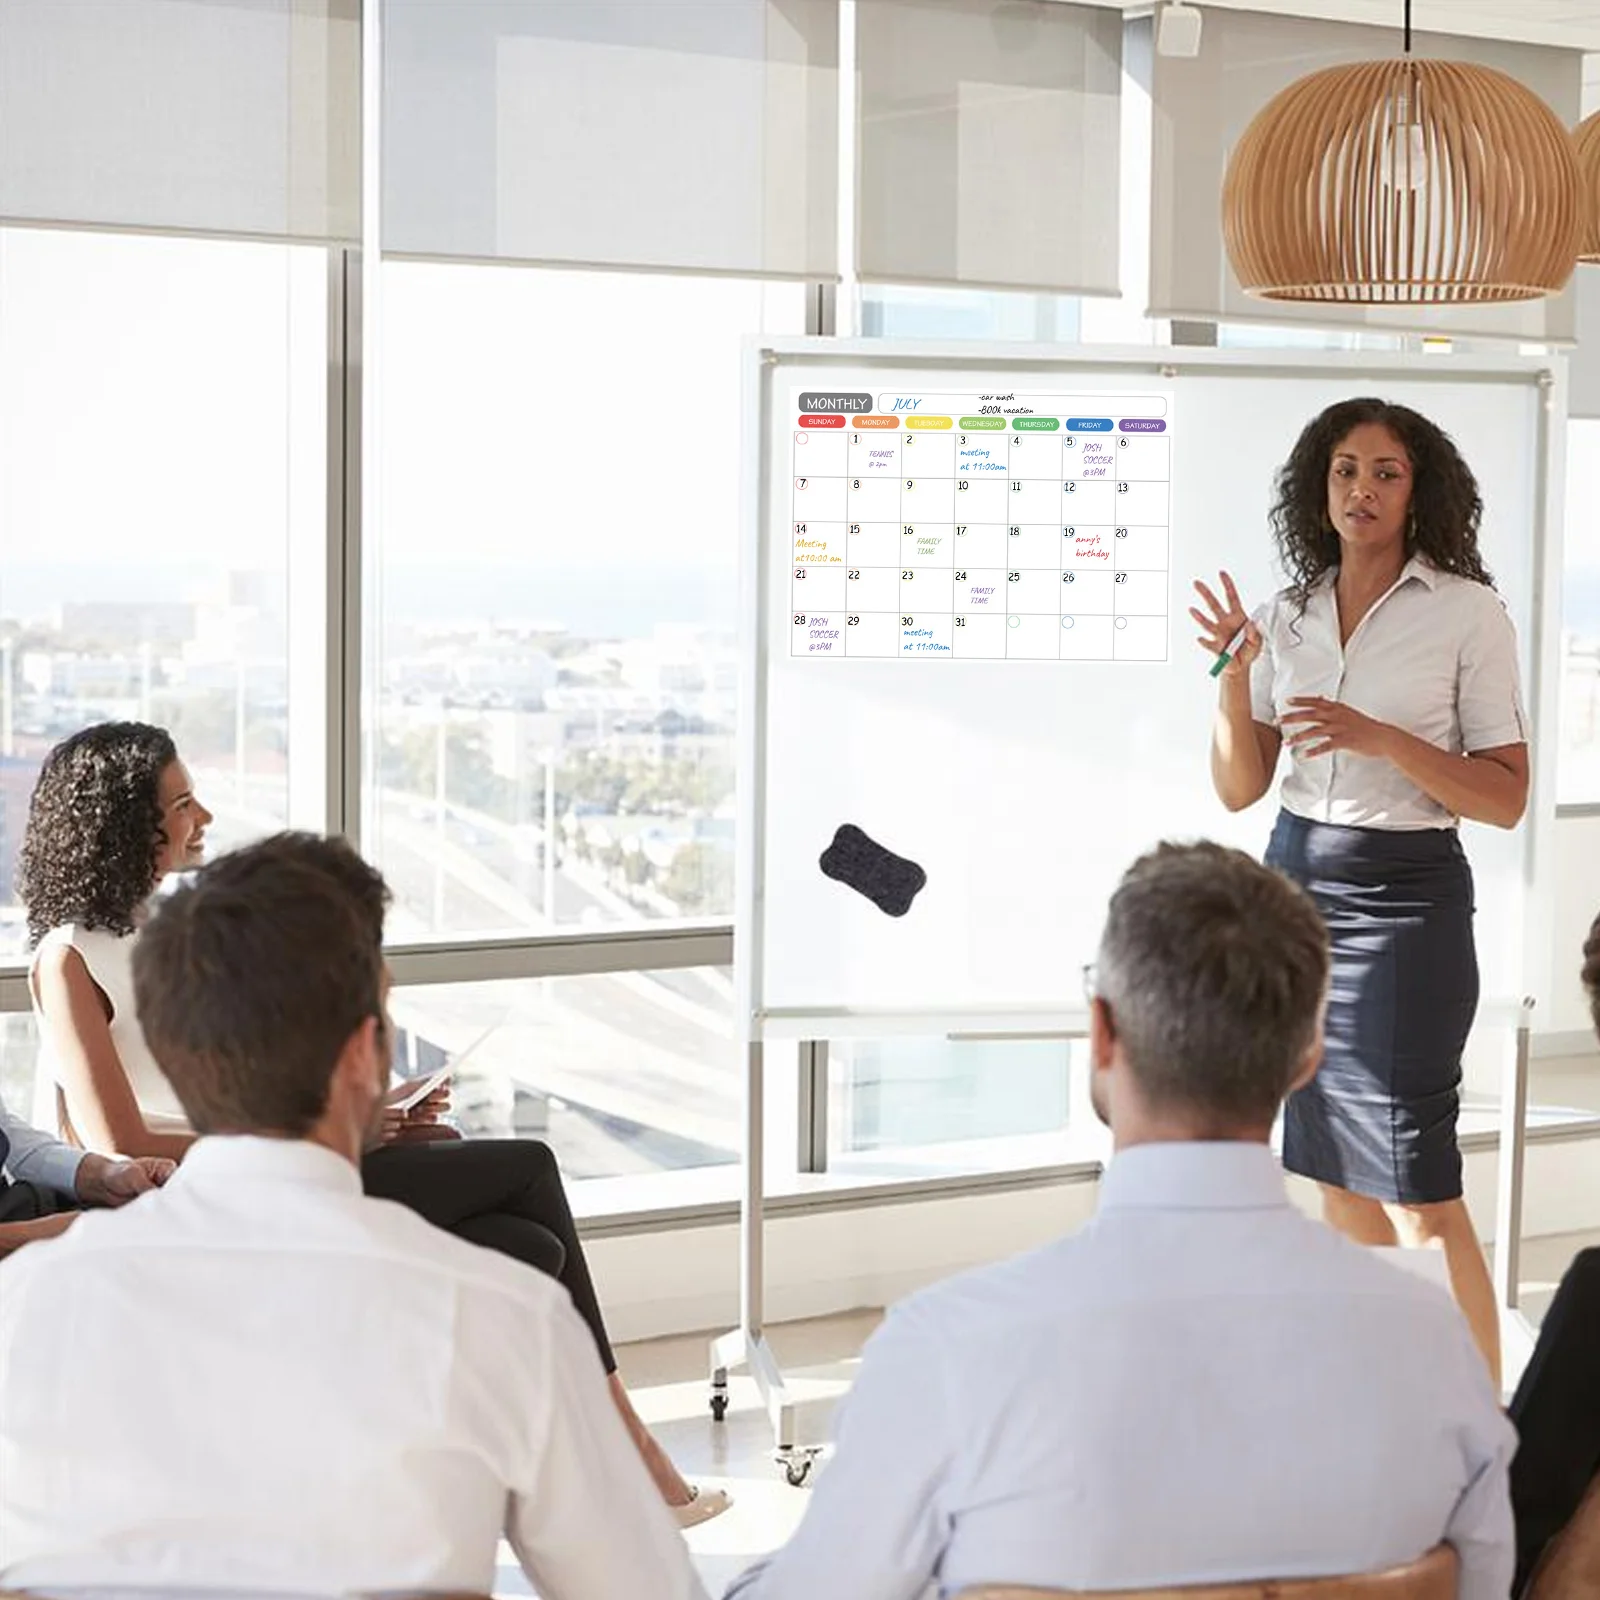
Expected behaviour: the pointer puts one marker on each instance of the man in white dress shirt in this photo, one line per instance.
(1202, 1385)
(260, 1380)
(45, 1182)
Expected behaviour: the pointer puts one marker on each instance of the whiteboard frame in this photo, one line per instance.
(766, 358)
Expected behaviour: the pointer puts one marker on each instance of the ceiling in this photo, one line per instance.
(1574, 24)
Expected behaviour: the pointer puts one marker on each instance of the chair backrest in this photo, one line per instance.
(144, 1592)
(1569, 1569)
(1434, 1576)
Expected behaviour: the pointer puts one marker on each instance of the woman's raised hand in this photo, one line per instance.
(1220, 622)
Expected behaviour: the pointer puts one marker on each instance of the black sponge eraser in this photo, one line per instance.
(889, 881)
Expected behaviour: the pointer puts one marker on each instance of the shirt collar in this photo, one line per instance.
(1423, 570)
(1224, 1175)
(247, 1158)
(1417, 566)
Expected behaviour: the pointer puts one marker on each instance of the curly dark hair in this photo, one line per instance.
(1591, 971)
(94, 828)
(1445, 504)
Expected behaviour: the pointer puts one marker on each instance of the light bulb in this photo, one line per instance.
(1403, 160)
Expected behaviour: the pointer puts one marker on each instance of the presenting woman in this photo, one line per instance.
(114, 811)
(1388, 667)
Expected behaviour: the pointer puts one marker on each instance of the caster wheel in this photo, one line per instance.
(795, 1473)
(719, 1406)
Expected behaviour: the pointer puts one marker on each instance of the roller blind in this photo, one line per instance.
(207, 116)
(697, 137)
(1202, 106)
(988, 143)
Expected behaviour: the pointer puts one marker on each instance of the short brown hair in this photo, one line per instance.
(1215, 968)
(250, 980)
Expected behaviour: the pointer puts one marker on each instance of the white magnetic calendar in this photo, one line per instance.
(993, 527)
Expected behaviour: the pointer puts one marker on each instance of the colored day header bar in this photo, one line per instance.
(865, 423)
(929, 422)
(821, 422)
(1009, 404)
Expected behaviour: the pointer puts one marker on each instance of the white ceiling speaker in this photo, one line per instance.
(1178, 30)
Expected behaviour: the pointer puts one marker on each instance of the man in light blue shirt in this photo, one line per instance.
(44, 1182)
(1202, 1385)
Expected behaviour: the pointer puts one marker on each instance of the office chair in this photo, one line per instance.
(1431, 1577)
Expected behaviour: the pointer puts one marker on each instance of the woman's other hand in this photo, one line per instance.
(1313, 726)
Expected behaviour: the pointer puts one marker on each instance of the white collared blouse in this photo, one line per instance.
(1436, 656)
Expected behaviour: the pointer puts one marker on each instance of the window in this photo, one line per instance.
(1578, 764)
(1276, 336)
(891, 312)
(623, 1074)
(162, 459)
(23, 1091)
(553, 627)
(953, 1104)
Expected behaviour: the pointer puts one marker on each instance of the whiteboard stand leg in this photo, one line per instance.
(746, 1345)
(1516, 1333)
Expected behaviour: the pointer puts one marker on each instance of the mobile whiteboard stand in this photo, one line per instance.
(746, 1346)
(1516, 1332)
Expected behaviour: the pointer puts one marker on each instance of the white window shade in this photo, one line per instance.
(196, 116)
(691, 137)
(1202, 106)
(1583, 393)
(988, 144)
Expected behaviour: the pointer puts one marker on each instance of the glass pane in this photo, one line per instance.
(890, 311)
(556, 538)
(24, 1091)
(162, 451)
(1578, 764)
(1282, 336)
(620, 1073)
(891, 1094)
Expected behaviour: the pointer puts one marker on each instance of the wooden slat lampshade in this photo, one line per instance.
(1586, 147)
(1403, 182)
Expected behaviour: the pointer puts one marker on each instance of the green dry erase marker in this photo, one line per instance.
(1233, 649)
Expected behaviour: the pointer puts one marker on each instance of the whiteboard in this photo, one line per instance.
(1024, 788)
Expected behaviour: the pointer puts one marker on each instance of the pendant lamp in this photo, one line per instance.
(1403, 182)
(1586, 147)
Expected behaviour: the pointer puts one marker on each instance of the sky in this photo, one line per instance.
(543, 443)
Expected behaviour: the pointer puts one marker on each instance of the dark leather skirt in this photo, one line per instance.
(1379, 1118)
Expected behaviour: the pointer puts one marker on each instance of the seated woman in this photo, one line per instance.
(114, 812)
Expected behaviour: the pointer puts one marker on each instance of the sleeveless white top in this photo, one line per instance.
(109, 958)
